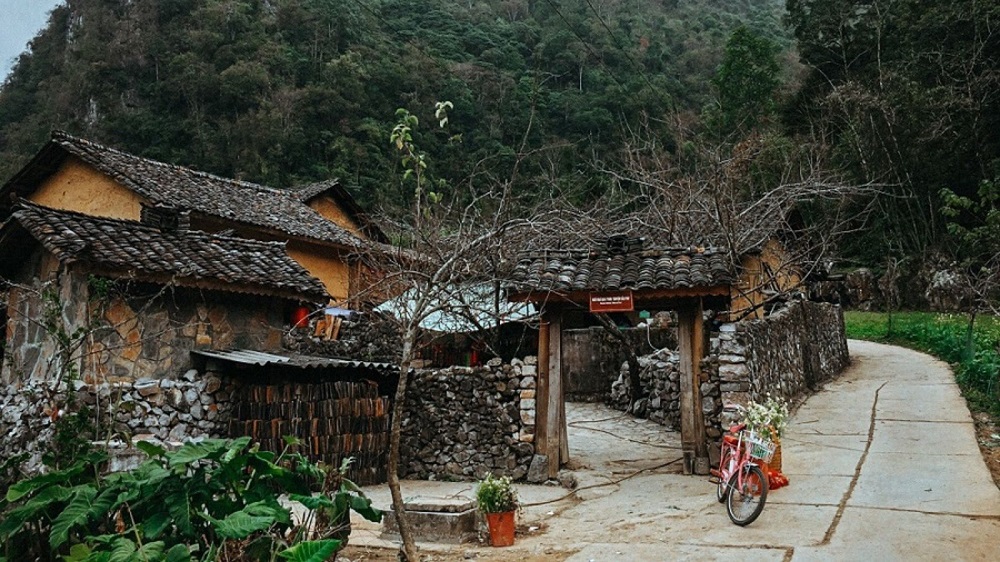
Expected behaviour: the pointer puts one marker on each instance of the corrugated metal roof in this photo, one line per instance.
(262, 359)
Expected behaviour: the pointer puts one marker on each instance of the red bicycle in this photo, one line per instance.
(742, 484)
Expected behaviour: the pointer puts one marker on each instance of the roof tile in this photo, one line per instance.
(187, 256)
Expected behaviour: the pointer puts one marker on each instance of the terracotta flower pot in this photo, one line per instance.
(501, 526)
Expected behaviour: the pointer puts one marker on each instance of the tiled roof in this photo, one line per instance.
(238, 201)
(186, 257)
(628, 267)
(339, 193)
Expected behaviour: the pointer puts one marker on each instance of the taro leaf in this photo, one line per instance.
(155, 524)
(179, 507)
(76, 513)
(123, 551)
(272, 508)
(364, 507)
(179, 553)
(152, 450)
(240, 525)
(25, 487)
(107, 500)
(77, 553)
(291, 440)
(151, 551)
(311, 551)
(192, 452)
(14, 519)
(235, 448)
(312, 502)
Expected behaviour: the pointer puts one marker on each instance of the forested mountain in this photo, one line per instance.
(287, 91)
(903, 95)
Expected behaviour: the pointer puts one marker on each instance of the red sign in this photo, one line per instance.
(615, 301)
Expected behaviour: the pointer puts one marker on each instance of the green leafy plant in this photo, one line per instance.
(768, 417)
(496, 494)
(204, 499)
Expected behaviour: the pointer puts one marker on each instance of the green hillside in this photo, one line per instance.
(288, 91)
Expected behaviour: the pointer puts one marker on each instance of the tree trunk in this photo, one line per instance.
(409, 547)
(970, 337)
(634, 369)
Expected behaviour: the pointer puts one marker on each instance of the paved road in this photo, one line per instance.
(883, 466)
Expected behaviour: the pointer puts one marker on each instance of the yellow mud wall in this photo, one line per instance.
(324, 264)
(78, 187)
(332, 212)
(768, 270)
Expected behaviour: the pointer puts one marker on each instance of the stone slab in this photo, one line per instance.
(888, 535)
(931, 483)
(439, 505)
(447, 527)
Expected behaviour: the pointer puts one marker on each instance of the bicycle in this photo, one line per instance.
(742, 484)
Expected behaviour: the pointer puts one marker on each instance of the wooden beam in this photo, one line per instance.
(690, 335)
(554, 419)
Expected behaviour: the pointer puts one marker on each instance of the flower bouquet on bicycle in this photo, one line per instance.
(769, 418)
(742, 485)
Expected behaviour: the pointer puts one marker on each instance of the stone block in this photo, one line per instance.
(528, 417)
(147, 387)
(538, 470)
(734, 372)
(529, 370)
(435, 520)
(527, 404)
(527, 394)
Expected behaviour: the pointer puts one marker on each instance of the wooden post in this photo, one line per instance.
(542, 388)
(690, 334)
(554, 420)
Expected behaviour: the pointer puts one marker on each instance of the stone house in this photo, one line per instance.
(118, 300)
(321, 224)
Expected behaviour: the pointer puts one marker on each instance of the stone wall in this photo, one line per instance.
(368, 337)
(171, 410)
(787, 354)
(462, 422)
(123, 332)
(661, 392)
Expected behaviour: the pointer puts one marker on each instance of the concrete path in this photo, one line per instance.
(883, 465)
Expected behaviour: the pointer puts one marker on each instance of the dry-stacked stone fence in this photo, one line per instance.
(787, 354)
(190, 406)
(333, 420)
(463, 422)
(661, 392)
(366, 338)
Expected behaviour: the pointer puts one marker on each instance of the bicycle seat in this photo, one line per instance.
(730, 439)
(737, 428)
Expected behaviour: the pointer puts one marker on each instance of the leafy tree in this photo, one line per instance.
(746, 82)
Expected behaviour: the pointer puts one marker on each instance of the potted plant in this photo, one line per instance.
(769, 418)
(496, 498)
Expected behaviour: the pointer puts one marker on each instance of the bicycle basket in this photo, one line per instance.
(760, 447)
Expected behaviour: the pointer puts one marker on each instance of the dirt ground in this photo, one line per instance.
(988, 436)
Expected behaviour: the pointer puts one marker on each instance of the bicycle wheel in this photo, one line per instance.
(746, 500)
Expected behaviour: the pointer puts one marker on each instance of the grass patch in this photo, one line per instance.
(976, 360)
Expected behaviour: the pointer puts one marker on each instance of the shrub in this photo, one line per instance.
(496, 494)
(204, 499)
